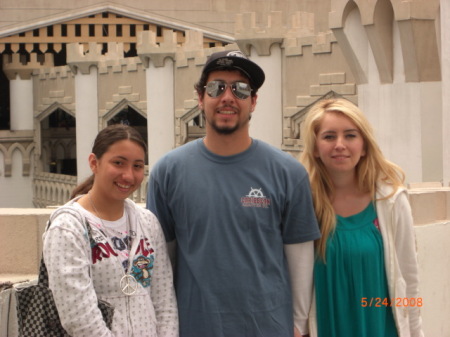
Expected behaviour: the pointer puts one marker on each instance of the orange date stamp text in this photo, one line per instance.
(391, 302)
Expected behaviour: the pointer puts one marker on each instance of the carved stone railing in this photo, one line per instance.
(51, 189)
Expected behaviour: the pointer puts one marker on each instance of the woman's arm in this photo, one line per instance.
(405, 247)
(67, 257)
(300, 258)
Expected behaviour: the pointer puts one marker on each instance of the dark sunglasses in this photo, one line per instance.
(240, 90)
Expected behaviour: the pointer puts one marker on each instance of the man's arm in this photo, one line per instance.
(172, 251)
(300, 258)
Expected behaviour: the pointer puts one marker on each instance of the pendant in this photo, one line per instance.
(128, 285)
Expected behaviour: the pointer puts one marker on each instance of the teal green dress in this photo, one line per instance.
(351, 288)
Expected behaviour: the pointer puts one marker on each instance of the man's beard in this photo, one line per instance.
(224, 130)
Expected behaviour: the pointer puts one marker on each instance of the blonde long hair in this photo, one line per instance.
(371, 168)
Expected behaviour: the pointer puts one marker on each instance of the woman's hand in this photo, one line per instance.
(298, 334)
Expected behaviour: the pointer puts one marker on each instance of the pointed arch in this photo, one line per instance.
(191, 125)
(123, 104)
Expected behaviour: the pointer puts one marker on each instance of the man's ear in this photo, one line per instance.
(200, 100)
(252, 108)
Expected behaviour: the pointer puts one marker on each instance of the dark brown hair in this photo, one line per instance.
(105, 138)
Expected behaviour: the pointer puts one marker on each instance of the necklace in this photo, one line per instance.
(128, 283)
(110, 229)
(93, 206)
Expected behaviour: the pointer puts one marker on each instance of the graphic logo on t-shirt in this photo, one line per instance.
(255, 198)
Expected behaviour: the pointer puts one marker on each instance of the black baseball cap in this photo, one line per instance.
(236, 59)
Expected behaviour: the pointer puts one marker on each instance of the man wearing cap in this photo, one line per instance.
(238, 215)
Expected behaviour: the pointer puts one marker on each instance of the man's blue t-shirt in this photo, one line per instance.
(231, 217)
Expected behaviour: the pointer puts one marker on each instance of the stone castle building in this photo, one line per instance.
(68, 69)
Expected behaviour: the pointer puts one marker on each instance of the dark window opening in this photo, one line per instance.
(59, 126)
(132, 30)
(40, 55)
(104, 48)
(24, 55)
(158, 31)
(61, 119)
(60, 57)
(5, 117)
(50, 48)
(78, 30)
(118, 30)
(35, 32)
(8, 50)
(91, 30)
(36, 49)
(105, 30)
(146, 27)
(22, 34)
(105, 15)
(132, 52)
(50, 31)
(63, 30)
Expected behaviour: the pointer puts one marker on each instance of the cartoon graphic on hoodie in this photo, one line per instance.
(142, 269)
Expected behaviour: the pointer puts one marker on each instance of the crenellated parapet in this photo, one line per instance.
(320, 44)
(52, 73)
(114, 60)
(14, 65)
(248, 34)
(79, 58)
(193, 50)
(149, 49)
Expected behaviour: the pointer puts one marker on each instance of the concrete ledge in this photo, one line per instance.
(430, 205)
(14, 278)
(433, 256)
(21, 249)
(21, 232)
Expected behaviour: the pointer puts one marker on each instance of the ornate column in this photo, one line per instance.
(84, 66)
(159, 63)
(21, 89)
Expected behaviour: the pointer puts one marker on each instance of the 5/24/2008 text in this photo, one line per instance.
(391, 302)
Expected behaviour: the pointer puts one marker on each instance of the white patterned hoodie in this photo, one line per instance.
(77, 283)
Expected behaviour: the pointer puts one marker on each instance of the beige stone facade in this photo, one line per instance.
(93, 62)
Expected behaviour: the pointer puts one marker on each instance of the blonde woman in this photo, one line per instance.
(366, 273)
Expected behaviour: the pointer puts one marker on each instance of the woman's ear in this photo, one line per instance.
(93, 162)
